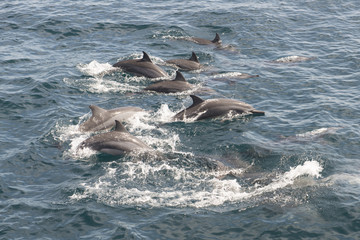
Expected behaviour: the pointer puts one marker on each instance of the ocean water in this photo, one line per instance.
(291, 174)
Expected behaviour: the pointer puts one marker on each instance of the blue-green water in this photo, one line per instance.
(291, 174)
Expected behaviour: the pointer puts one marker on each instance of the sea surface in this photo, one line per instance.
(291, 174)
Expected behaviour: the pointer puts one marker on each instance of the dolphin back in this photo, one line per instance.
(143, 67)
(103, 119)
(117, 142)
(212, 108)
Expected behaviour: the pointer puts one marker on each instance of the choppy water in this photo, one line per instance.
(291, 174)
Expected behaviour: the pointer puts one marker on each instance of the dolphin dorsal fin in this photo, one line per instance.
(216, 39)
(194, 57)
(179, 77)
(196, 100)
(97, 111)
(146, 57)
(119, 127)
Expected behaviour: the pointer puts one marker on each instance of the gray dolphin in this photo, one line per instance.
(186, 64)
(201, 41)
(179, 84)
(141, 67)
(103, 119)
(117, 142)
(212, 108)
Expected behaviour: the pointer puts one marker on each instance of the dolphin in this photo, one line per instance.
(179, 84)
(201, 41)
(310, 136)
(186, 64)
(103, 119)
(292, 59)
(117, 142)
(232, 75)
(141, 67)
(212, 108)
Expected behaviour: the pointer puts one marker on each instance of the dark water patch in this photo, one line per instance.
(48, 221)
(8, 26)
(6, 105)
(59, 29)
(15, 61)
(346, 217)
(27, 164)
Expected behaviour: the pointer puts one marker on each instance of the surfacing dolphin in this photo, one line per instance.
(141, 67)
(117, 142)
(309, 136)
(232, 76)
(179, 84)
(186, 64)
(215, 42)
(212, 108)
(292, 59)
(102, 119)
(201, 41)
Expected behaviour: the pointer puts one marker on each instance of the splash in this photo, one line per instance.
(159, 185)
(144, 125)
(103, 79)
(164, 114)
(147, 128)
(71, 137)
(95, 69)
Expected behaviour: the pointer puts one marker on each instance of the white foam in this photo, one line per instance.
(144, 125)
(99, 85)
(165, 185)
(71, 135)
(95, 68)
(96, 82)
